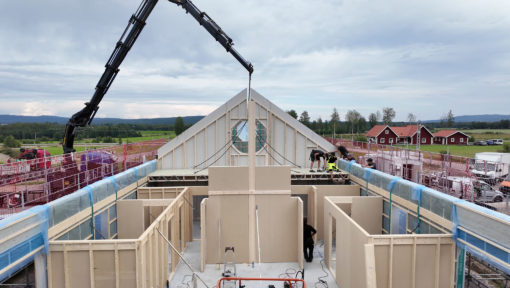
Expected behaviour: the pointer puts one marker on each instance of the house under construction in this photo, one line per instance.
(232, 192)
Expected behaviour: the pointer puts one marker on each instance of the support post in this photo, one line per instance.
(41, 279)
(251, 181)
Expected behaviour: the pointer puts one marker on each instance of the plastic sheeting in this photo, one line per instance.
(20, 250)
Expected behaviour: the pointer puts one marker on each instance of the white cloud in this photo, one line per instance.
(415, 56)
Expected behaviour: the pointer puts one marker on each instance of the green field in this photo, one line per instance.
(485, 131)
(485, 134)
(459, 150)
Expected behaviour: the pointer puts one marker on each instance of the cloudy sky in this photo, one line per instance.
(421, 57)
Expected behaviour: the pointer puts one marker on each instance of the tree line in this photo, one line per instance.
(355, 123)
(40, 132)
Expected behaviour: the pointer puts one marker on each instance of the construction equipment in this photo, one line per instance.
(229, 268)
(134, 28)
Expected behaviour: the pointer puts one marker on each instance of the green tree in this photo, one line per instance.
(305, 118)
(179, 126)
(335, 120)
(450, 119)
(411, 118)
(292, 113)
(372, 119)
(10, 142)
(362, 124)
(388, 115)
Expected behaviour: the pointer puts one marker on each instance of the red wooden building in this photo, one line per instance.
(382, 134)
(409, 135)
(450, 137)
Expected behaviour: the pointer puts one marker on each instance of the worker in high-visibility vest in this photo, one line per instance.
(331, 161)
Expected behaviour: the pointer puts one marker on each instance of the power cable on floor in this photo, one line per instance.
(322, 282)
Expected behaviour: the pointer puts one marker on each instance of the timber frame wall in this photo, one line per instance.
(366, 260)
(142, 262)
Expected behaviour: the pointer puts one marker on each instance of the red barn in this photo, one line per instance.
(409, 135)
(382, 134)
(450, 137)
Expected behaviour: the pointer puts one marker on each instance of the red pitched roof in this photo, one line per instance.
(376, 130)
(407, 131)
(446, 133)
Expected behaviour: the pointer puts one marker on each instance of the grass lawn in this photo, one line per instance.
(459, 150)
(158, 133)
(57, 150)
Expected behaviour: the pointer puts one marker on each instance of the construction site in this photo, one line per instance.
(233, 210)
(228, 203)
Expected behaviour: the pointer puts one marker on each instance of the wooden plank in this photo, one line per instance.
(371, 280)
(138, 260)
(390, 265)
(91, 267)
(49, 264)
(437, 260)
(413, 263)
(67, 281)
(203, 236)
(117, 272)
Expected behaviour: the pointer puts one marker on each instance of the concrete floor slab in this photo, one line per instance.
(314, 271)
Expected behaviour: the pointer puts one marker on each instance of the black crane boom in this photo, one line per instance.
(134, 28)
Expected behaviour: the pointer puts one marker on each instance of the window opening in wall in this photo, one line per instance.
(240, 136)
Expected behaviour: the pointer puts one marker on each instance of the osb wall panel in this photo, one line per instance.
(130, 219)
(272, 178)
(228, 179)
(127, 268)
(423, 266)
(330, 190)
(56, 278)
(199, 190)
(300, 189)
(367, 212)
(233, 212)
(350, 247)
(104, 268)
(278, 227)
(74, 269)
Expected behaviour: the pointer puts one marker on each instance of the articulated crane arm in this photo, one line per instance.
(136, 23)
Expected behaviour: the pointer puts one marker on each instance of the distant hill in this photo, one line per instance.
(9, 119)
(476, 118)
